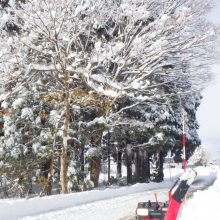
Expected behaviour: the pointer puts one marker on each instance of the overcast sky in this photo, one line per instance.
(209, 111)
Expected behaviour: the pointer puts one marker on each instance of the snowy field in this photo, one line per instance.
(111, 203)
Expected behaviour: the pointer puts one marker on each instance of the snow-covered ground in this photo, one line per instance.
(204, 204)
(108, 204)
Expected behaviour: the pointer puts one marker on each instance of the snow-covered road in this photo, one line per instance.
(108, 204)
(117, 208)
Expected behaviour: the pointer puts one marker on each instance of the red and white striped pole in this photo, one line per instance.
(184, 140)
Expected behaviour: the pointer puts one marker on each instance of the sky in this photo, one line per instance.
(209, 111)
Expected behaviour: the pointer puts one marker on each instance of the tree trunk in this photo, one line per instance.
(119, 160)
(109, 168)
(63, 171)
(1, 126)
(136, 173)
(160, 167)
(82, 160)
(82, 166)
(138, 167)
(50, 179)
(146, 166)
(30, 167)
(96, 160)
(95, 170)
(64, 163)
(158, 172)
(129, 168)
(108, 158)
(50, 176)
(45, 177)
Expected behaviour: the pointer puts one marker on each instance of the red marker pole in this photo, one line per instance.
(184, 141)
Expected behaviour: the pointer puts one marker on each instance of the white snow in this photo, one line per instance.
(204, 204)
(36, 146)
(54, 117)
(93, 151)
(100, 120)
(108, 204)
(18, 103)
(27, 113)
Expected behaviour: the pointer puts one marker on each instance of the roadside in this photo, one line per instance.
(114, 204)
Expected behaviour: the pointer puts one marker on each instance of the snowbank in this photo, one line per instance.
(13, 209)
(204, 204)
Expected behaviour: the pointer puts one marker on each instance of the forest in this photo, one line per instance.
(85, 83)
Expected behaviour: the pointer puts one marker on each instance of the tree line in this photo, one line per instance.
(86, 81)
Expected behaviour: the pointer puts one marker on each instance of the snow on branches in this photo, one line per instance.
(117, 48)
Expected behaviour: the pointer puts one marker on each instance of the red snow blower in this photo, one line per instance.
(168, 210)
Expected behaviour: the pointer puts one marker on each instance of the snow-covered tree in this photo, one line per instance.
(199, 158)
(120, 49)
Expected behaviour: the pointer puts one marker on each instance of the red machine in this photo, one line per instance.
(169, 210)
